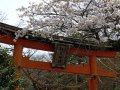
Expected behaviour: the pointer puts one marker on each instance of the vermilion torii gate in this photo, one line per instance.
(91, 69)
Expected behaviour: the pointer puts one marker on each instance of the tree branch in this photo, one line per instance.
(86, 8)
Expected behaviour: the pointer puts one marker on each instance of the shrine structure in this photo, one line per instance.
(91, 69)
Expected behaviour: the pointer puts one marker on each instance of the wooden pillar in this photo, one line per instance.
(93, 71)
(17, 55)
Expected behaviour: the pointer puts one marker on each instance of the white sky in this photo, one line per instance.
(9, 8)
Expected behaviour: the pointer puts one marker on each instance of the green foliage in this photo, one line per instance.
(117, 89)
(7, 71)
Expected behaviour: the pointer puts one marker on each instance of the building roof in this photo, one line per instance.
(8, 29)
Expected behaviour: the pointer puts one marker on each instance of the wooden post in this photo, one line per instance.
(17, 55)
(93, 71)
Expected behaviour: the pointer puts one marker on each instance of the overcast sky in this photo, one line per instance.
(9, 8)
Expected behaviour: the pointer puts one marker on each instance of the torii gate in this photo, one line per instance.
(90, 69)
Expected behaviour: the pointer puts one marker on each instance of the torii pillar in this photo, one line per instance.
(17, 56)
(93, 73)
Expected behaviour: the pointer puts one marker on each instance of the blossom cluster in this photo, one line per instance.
(96, 18)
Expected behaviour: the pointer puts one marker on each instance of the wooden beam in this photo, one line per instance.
(106, 73)
(50, 47)
(47, 66)
(77, 69)
(85, 52)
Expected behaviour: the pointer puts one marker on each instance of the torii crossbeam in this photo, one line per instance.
(90, 69)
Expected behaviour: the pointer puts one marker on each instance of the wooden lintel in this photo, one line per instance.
(49, 47)
(106, 73)
(83, 52)
(76, 69)
(47, 66)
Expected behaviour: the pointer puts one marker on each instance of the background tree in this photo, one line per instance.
(7, 70)
(89, 18)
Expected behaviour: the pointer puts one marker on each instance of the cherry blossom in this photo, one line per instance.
(92, 18)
